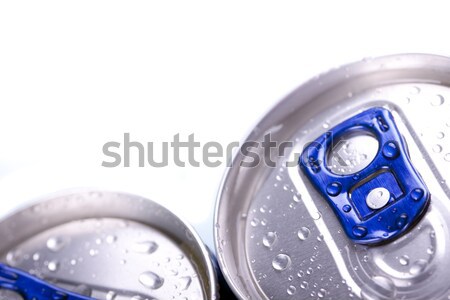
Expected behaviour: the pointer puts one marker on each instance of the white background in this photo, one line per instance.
(75, 75)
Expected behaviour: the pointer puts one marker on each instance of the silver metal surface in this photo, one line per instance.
(109, 246)
(378, 198)
(9, 295)
(277, 238)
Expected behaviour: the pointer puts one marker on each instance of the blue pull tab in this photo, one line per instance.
(376, 199)
(32, 288)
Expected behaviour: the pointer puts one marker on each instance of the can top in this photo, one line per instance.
(277, 236)
(108, 245)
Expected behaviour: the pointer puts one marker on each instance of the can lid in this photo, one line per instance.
(277, 236)
(108, 245)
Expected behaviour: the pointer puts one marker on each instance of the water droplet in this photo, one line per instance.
(403, 260)
(184, 282)
(320, 237)
(322, 293)
(414, 90)
(36, 256)
(391, 150)
(254, 222)
(309, 271)
(430, 250)
(326, 125)
(111, 239)
(281, 262)
(402, 220)
(53, 266)
(270, 239)
(447, 157)
(279, 177)
(263, 209)
(437, 100)
(418, 267)
(111, 295)
(13, 258)
(440, 135)
(346, 208)
(55, 244)
(93, 252)
(334, 188)
(304, 285)
(297, 197)
(359, 231)
(151, 280)
(437, 148)
(174, 272)
(146, 247)
(300, 274)
(317, 215)
(291, 290)
(303, 233)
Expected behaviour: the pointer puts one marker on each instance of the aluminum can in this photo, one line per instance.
(359, 206)
(107, 245)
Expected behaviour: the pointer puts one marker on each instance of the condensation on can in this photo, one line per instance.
(108, 245)
(275, 235)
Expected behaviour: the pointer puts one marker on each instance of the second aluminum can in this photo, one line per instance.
(108, 245)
